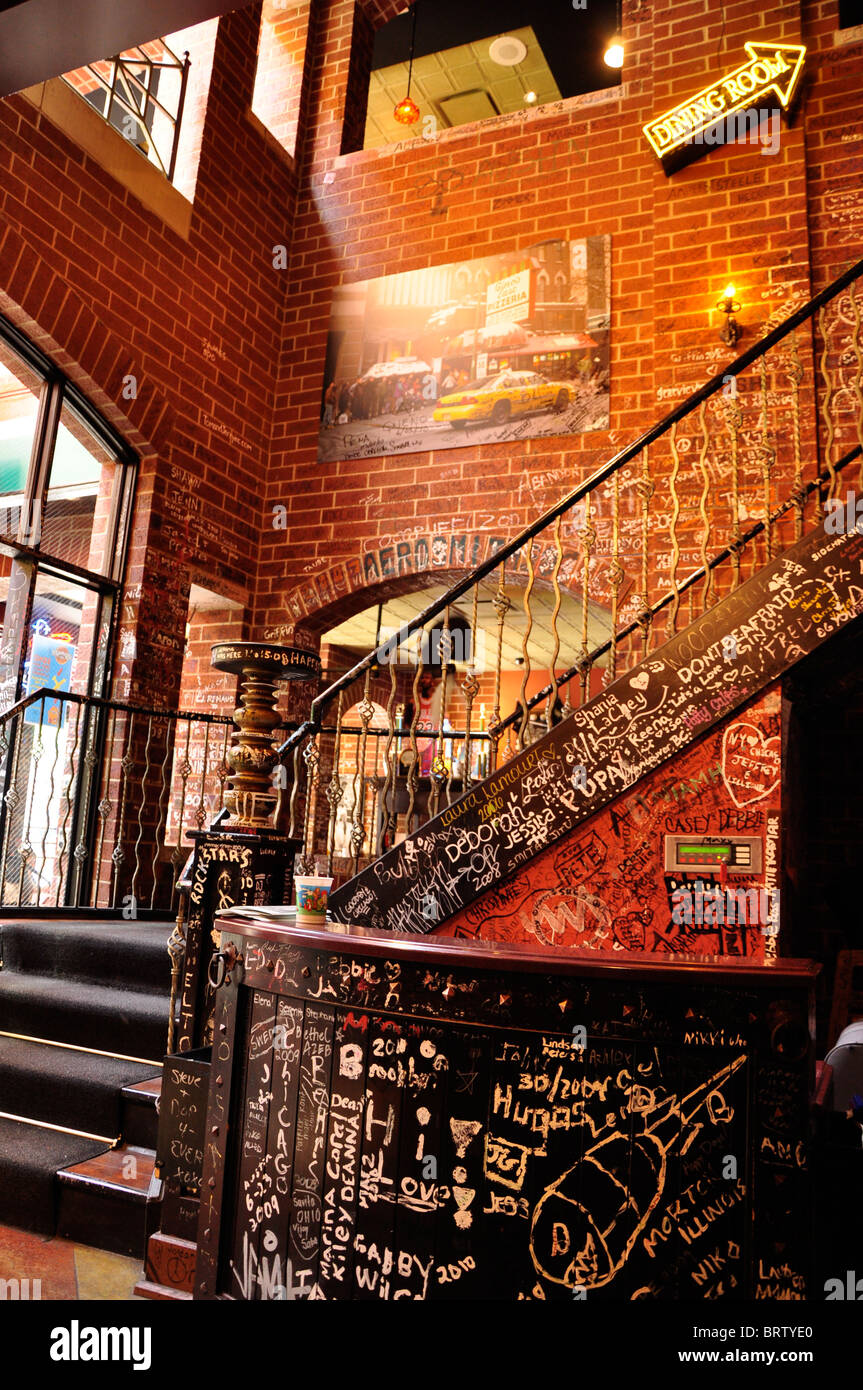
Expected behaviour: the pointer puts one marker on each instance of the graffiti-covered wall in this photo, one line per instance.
(607, 886)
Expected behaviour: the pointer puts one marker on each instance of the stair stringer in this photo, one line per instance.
(699, 677)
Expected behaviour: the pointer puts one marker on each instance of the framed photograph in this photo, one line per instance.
(504, 347)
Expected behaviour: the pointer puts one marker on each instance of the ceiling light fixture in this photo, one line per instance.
(507, 51)
(407, 112)
(530, 98)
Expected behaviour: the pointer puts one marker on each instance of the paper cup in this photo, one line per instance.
(313, 894)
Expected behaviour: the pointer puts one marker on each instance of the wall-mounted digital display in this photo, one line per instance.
(741, 854)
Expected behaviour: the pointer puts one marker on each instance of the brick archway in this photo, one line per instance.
(391, 570)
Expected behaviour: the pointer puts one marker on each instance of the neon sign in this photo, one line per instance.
(729, 107)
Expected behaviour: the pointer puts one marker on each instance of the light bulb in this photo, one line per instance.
(530, 98)
(613, 55)
(729, 292)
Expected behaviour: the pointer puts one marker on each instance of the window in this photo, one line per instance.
(489, 58)
(850, 13)
(66, 485)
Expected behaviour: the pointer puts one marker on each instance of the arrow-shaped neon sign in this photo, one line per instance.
(772, 68)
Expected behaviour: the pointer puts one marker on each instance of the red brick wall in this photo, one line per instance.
(583, 168)
(109, 289)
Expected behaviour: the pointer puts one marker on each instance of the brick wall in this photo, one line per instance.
(581, 168)
(108, 289)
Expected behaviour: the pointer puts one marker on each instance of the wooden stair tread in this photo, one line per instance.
(107, 1170)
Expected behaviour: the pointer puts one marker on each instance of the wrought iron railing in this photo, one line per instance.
(140, 92)
(99, 797)
(655, 537)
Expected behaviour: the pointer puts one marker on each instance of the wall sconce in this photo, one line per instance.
(730, 331)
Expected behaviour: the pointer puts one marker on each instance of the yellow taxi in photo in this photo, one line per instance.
(501, 398)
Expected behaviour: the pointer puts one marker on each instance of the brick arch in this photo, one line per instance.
(337, 593)
(68, 330)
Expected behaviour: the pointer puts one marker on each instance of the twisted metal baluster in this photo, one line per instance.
(105, 806)
(147, 743)
(12, 799)
(733, 421)
(413, 769)
(127, 763)
(80, 854)
(311, 758)
(183, 768)
(768, 459)
(675, 544)
(555, 631)
(61, 835)
(794, 369)
(857, 383)
(223, 772)
(588, 540)
(62, 709)
(334, 791)
(35, 759)
(829, 395)
(200, 813)
(616, 577)
(446, 656)
(645, 488)
(705, 515)
(438, 771)
(292, 803)
(163, 789)
(525, 654)
(358, 829)
(470, 690)
(502, 604)
(388, 791)
(4, 749)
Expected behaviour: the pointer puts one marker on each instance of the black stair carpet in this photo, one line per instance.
(97, 984)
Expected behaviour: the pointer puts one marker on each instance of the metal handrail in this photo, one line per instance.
(45, 692)
(601, 475)
(122, 63)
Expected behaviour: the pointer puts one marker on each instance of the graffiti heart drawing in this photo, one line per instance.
(641, 681)
(750, 763)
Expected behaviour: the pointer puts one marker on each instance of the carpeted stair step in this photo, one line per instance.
(115, 1019)
(109, 952)
(78, 1090)
(30, 1159)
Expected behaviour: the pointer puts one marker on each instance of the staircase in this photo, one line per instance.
(609, 745)
(83, 1023)
(718, 548)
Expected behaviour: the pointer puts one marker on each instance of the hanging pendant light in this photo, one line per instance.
(407, 112)
(614, 52)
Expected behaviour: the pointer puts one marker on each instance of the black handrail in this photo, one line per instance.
(388, 648)
(45, 693)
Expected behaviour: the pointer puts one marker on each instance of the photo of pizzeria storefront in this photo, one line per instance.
(437, 357)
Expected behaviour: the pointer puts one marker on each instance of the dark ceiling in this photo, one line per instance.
(573, 41)
(44, 38)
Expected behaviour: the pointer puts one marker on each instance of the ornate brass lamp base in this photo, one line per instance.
(250, 796)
